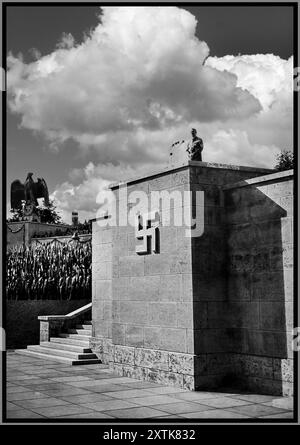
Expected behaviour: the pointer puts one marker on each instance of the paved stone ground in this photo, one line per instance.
(38, 389)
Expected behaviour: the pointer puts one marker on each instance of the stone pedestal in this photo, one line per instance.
(164, 316)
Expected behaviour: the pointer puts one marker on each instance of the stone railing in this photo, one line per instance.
(53, 325)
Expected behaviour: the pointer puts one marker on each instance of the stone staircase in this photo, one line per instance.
(71, 348)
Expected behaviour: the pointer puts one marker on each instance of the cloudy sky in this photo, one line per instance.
(97, 95)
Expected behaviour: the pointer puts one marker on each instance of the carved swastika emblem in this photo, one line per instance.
(147, 230)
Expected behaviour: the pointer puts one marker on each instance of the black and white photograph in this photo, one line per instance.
(149, 274)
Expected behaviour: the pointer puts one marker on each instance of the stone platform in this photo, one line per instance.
(199, 312)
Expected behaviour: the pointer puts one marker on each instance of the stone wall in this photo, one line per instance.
(151, 330)
(22, 325)
(138, 311)
(258, 311)
(102, 238)
(20, 233)
(184, 316)
(63, 239)
(211, 340)
(15, 234)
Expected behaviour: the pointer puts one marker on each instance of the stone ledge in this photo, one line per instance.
(185, 165)
(282, 175)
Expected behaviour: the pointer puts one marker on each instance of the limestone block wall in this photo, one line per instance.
(15, 236)
(258, 310)
(212, 341)
(101, 289)
(159, 316)
(62, 239)
(36, 228)
(152, 318)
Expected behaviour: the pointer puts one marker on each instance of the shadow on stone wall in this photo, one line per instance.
(242, 268)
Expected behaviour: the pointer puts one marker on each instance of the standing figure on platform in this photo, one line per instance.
(195, 147)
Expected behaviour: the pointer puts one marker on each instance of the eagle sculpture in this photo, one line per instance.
(29, 192)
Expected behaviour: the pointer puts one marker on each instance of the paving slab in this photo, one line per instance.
(12, 406)
(287, 415)
(49, 374)
(107, 388)
(197, 396)
(257, 410)
(168, 390)
(179, 407)
(98, 366)
(129, 393)
(96, 376)
(27, 395)
(215, 414)
(199, 408)
(88, 383)
(21, 378)
(142, 412)
(224, 402)
(42, 371)
(37, 403)
(45, 385)
(15, 389)
(86, 398)
(23, 414)
(109, 405)
(255, 398)
(66, 392)
(92, 415)
(169, 417)
(142, 384)
(72, 378)
(154, 400)
(283, 402)
(36, 383)
(63, 410)
(32, 368)
(118, 380)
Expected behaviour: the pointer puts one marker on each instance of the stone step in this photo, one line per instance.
(87, 332)
(70, 341)
(61, 352)
(86, 327)
(57, 358)
(88, 322)
(75, 336)
(65, 347)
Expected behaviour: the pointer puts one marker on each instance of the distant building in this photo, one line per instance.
(75, 218)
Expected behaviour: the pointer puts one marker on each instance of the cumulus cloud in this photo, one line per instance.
(139, 81)
(270, 79)
(84, 185)
(82, 196)
(141, 67)
(264, 75)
